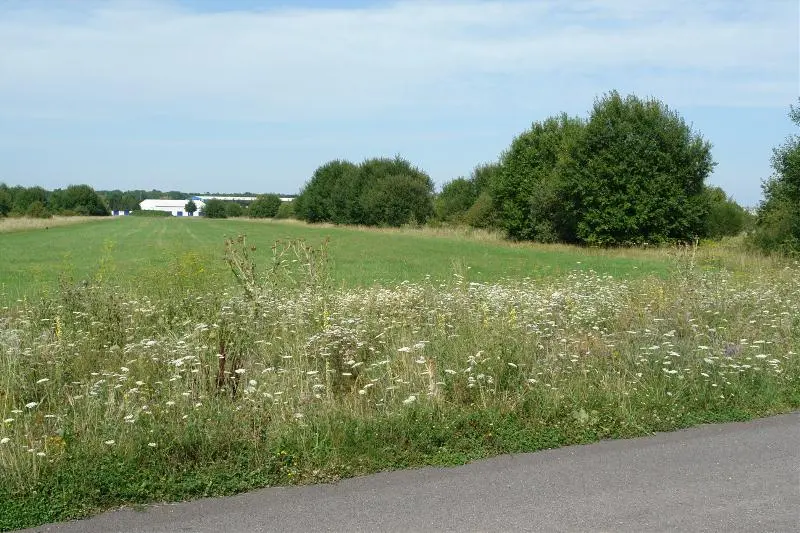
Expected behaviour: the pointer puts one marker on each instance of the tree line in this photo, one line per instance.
(632, 172)
(38, 202)
(84, 200)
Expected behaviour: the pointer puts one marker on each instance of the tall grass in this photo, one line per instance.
(14, 224)
(108, 396)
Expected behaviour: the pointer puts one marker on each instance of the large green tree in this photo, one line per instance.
(778, 221)
(328, 196)
(344, 193)
(528, 189)
(637, 174)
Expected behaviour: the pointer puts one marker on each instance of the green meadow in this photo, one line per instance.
(144, 250)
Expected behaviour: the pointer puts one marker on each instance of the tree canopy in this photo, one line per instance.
(379, 191)
(264, 206)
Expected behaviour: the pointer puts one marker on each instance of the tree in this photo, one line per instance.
(190, 207)
(636, 175)
(286, 210)
(78, 200)
(214, 209)
(528, 189)
(398, 199)
(23, 197)
(343, 193)
(265, 206)
(234, 209)
(322, 199)
(455, 200)
(725, 217)
(5, 200)
(778, 219)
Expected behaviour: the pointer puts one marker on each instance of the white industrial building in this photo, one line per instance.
(176, 207)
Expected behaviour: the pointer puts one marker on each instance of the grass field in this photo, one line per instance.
(144, 249)
(166, 366)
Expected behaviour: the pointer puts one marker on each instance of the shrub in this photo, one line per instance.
(329, 195)
(398, 199)
(528, 187)
(725, 217)
(454, 201)
(234, 209)
(265, 206)
(38, 210)
(214, 209)
(778, 220)
(5, 200)
(285, 210)
(483, 213)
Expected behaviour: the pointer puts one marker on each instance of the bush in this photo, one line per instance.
(265, 206)
(636, 175)
(396, 200)
(5, 200)
(330, 195)
(234, 209)
(214, 209)
(778, 220)
(38, 210)
(528, 187)
(725, 217)
(285, 210)
(378, 191)
(483, 213)
(455, 200)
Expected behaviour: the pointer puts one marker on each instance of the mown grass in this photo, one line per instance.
(133, 390)
(145, 249)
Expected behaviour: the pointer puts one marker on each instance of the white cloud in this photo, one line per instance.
(287, 64)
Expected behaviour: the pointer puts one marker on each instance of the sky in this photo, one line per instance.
(248, 95)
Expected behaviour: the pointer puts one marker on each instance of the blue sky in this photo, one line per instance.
(248, 95)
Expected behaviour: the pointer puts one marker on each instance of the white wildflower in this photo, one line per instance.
(5, 440)
(411, 399)
(31, 405)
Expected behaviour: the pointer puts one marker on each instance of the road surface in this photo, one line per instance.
(730, 477)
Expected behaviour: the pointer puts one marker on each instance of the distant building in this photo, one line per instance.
(120, 213)
(176, 207)
(236, 198)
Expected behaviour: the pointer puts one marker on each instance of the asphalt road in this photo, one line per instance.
(731, 477)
